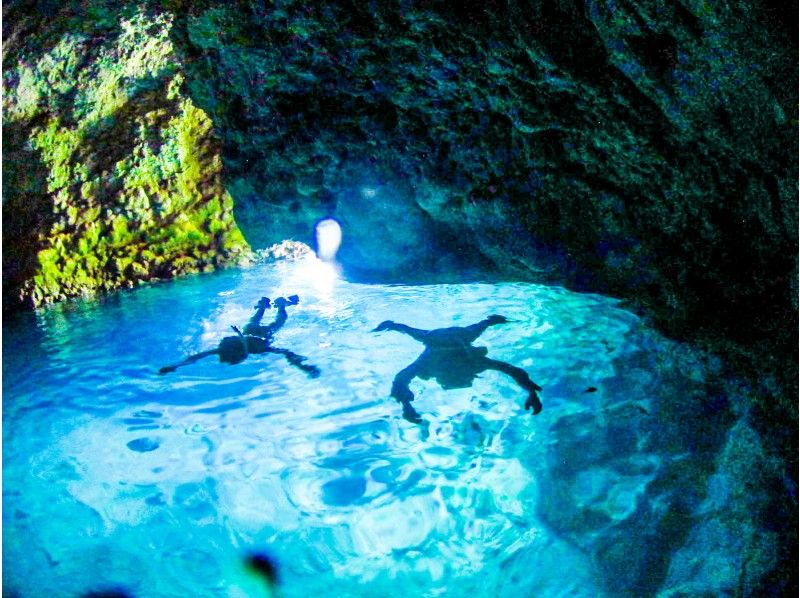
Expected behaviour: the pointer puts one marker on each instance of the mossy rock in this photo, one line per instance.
(123, 156)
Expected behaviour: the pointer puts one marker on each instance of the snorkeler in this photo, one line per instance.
(255, 339)
(450, 358)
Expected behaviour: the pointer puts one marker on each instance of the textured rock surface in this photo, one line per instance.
(644, 149)
(112, 175)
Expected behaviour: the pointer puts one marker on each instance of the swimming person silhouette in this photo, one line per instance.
(450, 358)
(255, 339)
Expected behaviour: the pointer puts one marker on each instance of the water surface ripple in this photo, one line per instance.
(116, 476)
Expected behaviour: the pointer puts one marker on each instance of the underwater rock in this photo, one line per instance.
(665, 500)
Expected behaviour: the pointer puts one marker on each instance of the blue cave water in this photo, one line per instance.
(117, 477)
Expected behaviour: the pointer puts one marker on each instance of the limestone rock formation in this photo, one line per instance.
(112, 174)
(643, 149)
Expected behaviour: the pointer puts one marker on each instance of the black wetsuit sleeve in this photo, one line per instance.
(187, 361)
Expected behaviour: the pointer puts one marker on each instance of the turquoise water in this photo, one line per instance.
(115, 476)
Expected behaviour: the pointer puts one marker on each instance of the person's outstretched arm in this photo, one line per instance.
(191, 359)
(475, 330)
(296, 360)
(521, 377)
(415, 333)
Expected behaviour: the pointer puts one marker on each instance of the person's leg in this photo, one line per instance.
(521, 377)
(473, 331)
(280, 303)
(254, 325)
(415, 333)
(269, 330)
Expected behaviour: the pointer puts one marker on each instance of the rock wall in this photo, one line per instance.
(645, 149)
(112, 174)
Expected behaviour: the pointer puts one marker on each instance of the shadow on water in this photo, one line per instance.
(450, 358)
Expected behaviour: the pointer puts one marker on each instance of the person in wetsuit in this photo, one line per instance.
(450, 358)
(254, 339)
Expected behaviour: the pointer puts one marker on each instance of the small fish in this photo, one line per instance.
(591, 389)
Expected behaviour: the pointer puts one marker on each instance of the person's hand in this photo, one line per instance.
(410, 414)
(281, 302)
(313, 371)
(386, 325)
(263, 302)
(496, 319)
(533, 402)
(402, 394)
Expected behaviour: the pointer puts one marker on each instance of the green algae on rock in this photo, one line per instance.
(130, 177)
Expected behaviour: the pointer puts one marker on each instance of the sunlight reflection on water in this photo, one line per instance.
(184, 472)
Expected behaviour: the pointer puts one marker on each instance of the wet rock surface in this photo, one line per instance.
(641, 149)
(636, 485)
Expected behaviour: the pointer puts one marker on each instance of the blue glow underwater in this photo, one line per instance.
(116, 477)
